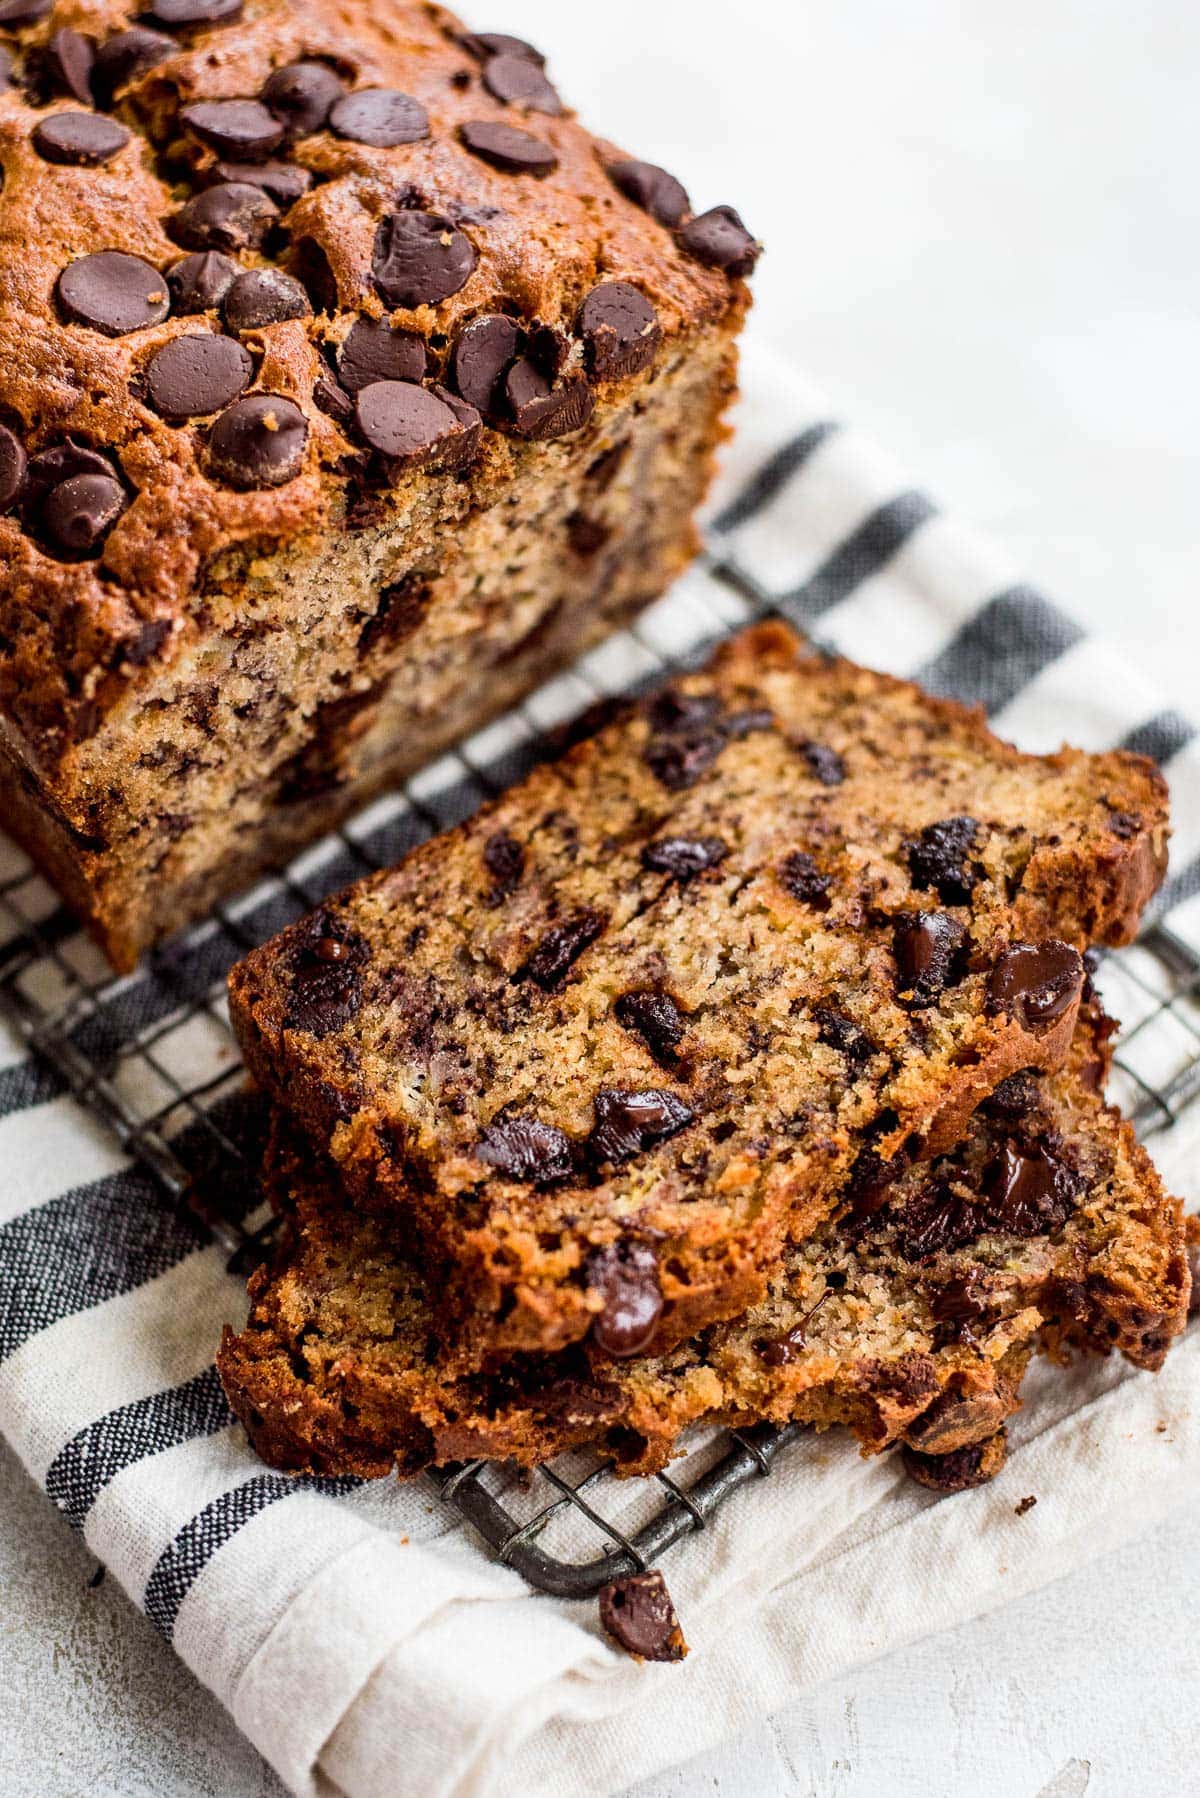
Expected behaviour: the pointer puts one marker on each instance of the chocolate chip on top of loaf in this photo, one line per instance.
(1048, 1224)
(207, 213)
(759, 944)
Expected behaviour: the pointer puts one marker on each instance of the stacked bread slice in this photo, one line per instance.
(741, 1064)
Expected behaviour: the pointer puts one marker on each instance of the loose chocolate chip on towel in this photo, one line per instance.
(113, 293)
(420, 258)
(191, 377)
(961, 1469)
(637, 1612)
(374, 352)
(651, 188)
(264, 296)
(720, 240)
(258, 442)
(84, 138)
(302, 95)
(381, 117)
(625, 1275)
(620, 330)
(516, 152)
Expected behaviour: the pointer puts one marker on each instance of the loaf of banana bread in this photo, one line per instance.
(348, 387)
(775, 932)
(913, 1321)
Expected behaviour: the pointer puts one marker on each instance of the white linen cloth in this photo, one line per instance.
(360, 1637)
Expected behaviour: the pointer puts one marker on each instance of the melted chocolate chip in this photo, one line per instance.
(233, 216)
(482, 355)
(302, 94)
(283, 182)
(1030, 1194)
(121, 58)
(651, 188)
(84, 138)
(1036, 983)
(540, 410)
(800, 876)
(958, 1471)
(837, 1031)
(78, 514)
(195, 12)
(113, 293)
(69, 59)
(504, 859)
(936, 1220)
(326, 976)
(1014, 1098)
(243, 129)
(264, 296)
(655, 1017)
(637, 1612)
(959, 1303)
(380, 116)
(516, 152)
(374, 352)
(938, 859)
(561, 948)
(258, 442)
(687, 741)
(628, 1123)
(518, 81)
(720, 240)
(625, 1274)
(409, 425)
(13, 464)
(926, 946)
(191, 377)
(824, 762)
(199, 282)
(620, 331)
(782, 1351)
(420, 258)
(523, 1148)
(684, 857)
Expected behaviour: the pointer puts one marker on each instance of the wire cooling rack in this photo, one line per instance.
(153, 1057)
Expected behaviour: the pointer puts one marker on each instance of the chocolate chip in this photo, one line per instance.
(195, 12)
(682, 758)
(587, 536)
(720, 240)
(800, 876)
(374, 352)
(12, 468)
(540, 410)
(152, 633)
(1030, 1194)
(958, 1471)
(782, 1351)
(839, 1032)
(482, 354)
(420, 258)
(655, 1017)
(651, 188)
(264, 296)
(23, 12)
(409, 425)
(69, 59)
(233, 216)
(79, 513)
(625, 1274)
(333, 400)
(561, 948)
(86, 139)
(61, 462)
(379, 116)
(516, 152)
(926, 945)
(684, 857)
(519, 82)
(637, 1612)
(302, 95)
(485, 44)
(627, 1123)
(1014, 1098)
(5, 70)
(126, 55)
(523, 1148)
(620, 331)
(113, 293)
(936, 1220)
(258, 442)
(504, 859)
(283, 182)
(240, 128)
(191, 377)
(824, 762)
(1036, 982)
(960, 1302)
(199, 282)
(938, 859)
(326, 975)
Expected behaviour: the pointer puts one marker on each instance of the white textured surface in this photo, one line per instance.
(982, 225)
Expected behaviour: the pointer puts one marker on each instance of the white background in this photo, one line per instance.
(982, 238)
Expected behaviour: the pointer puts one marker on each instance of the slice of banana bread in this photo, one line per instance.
(348, 388)
(914, 1321)
(613, 1041)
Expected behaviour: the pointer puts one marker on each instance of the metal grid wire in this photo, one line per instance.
(153, 1057)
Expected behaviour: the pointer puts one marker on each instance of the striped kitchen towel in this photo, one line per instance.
(358, 1635)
